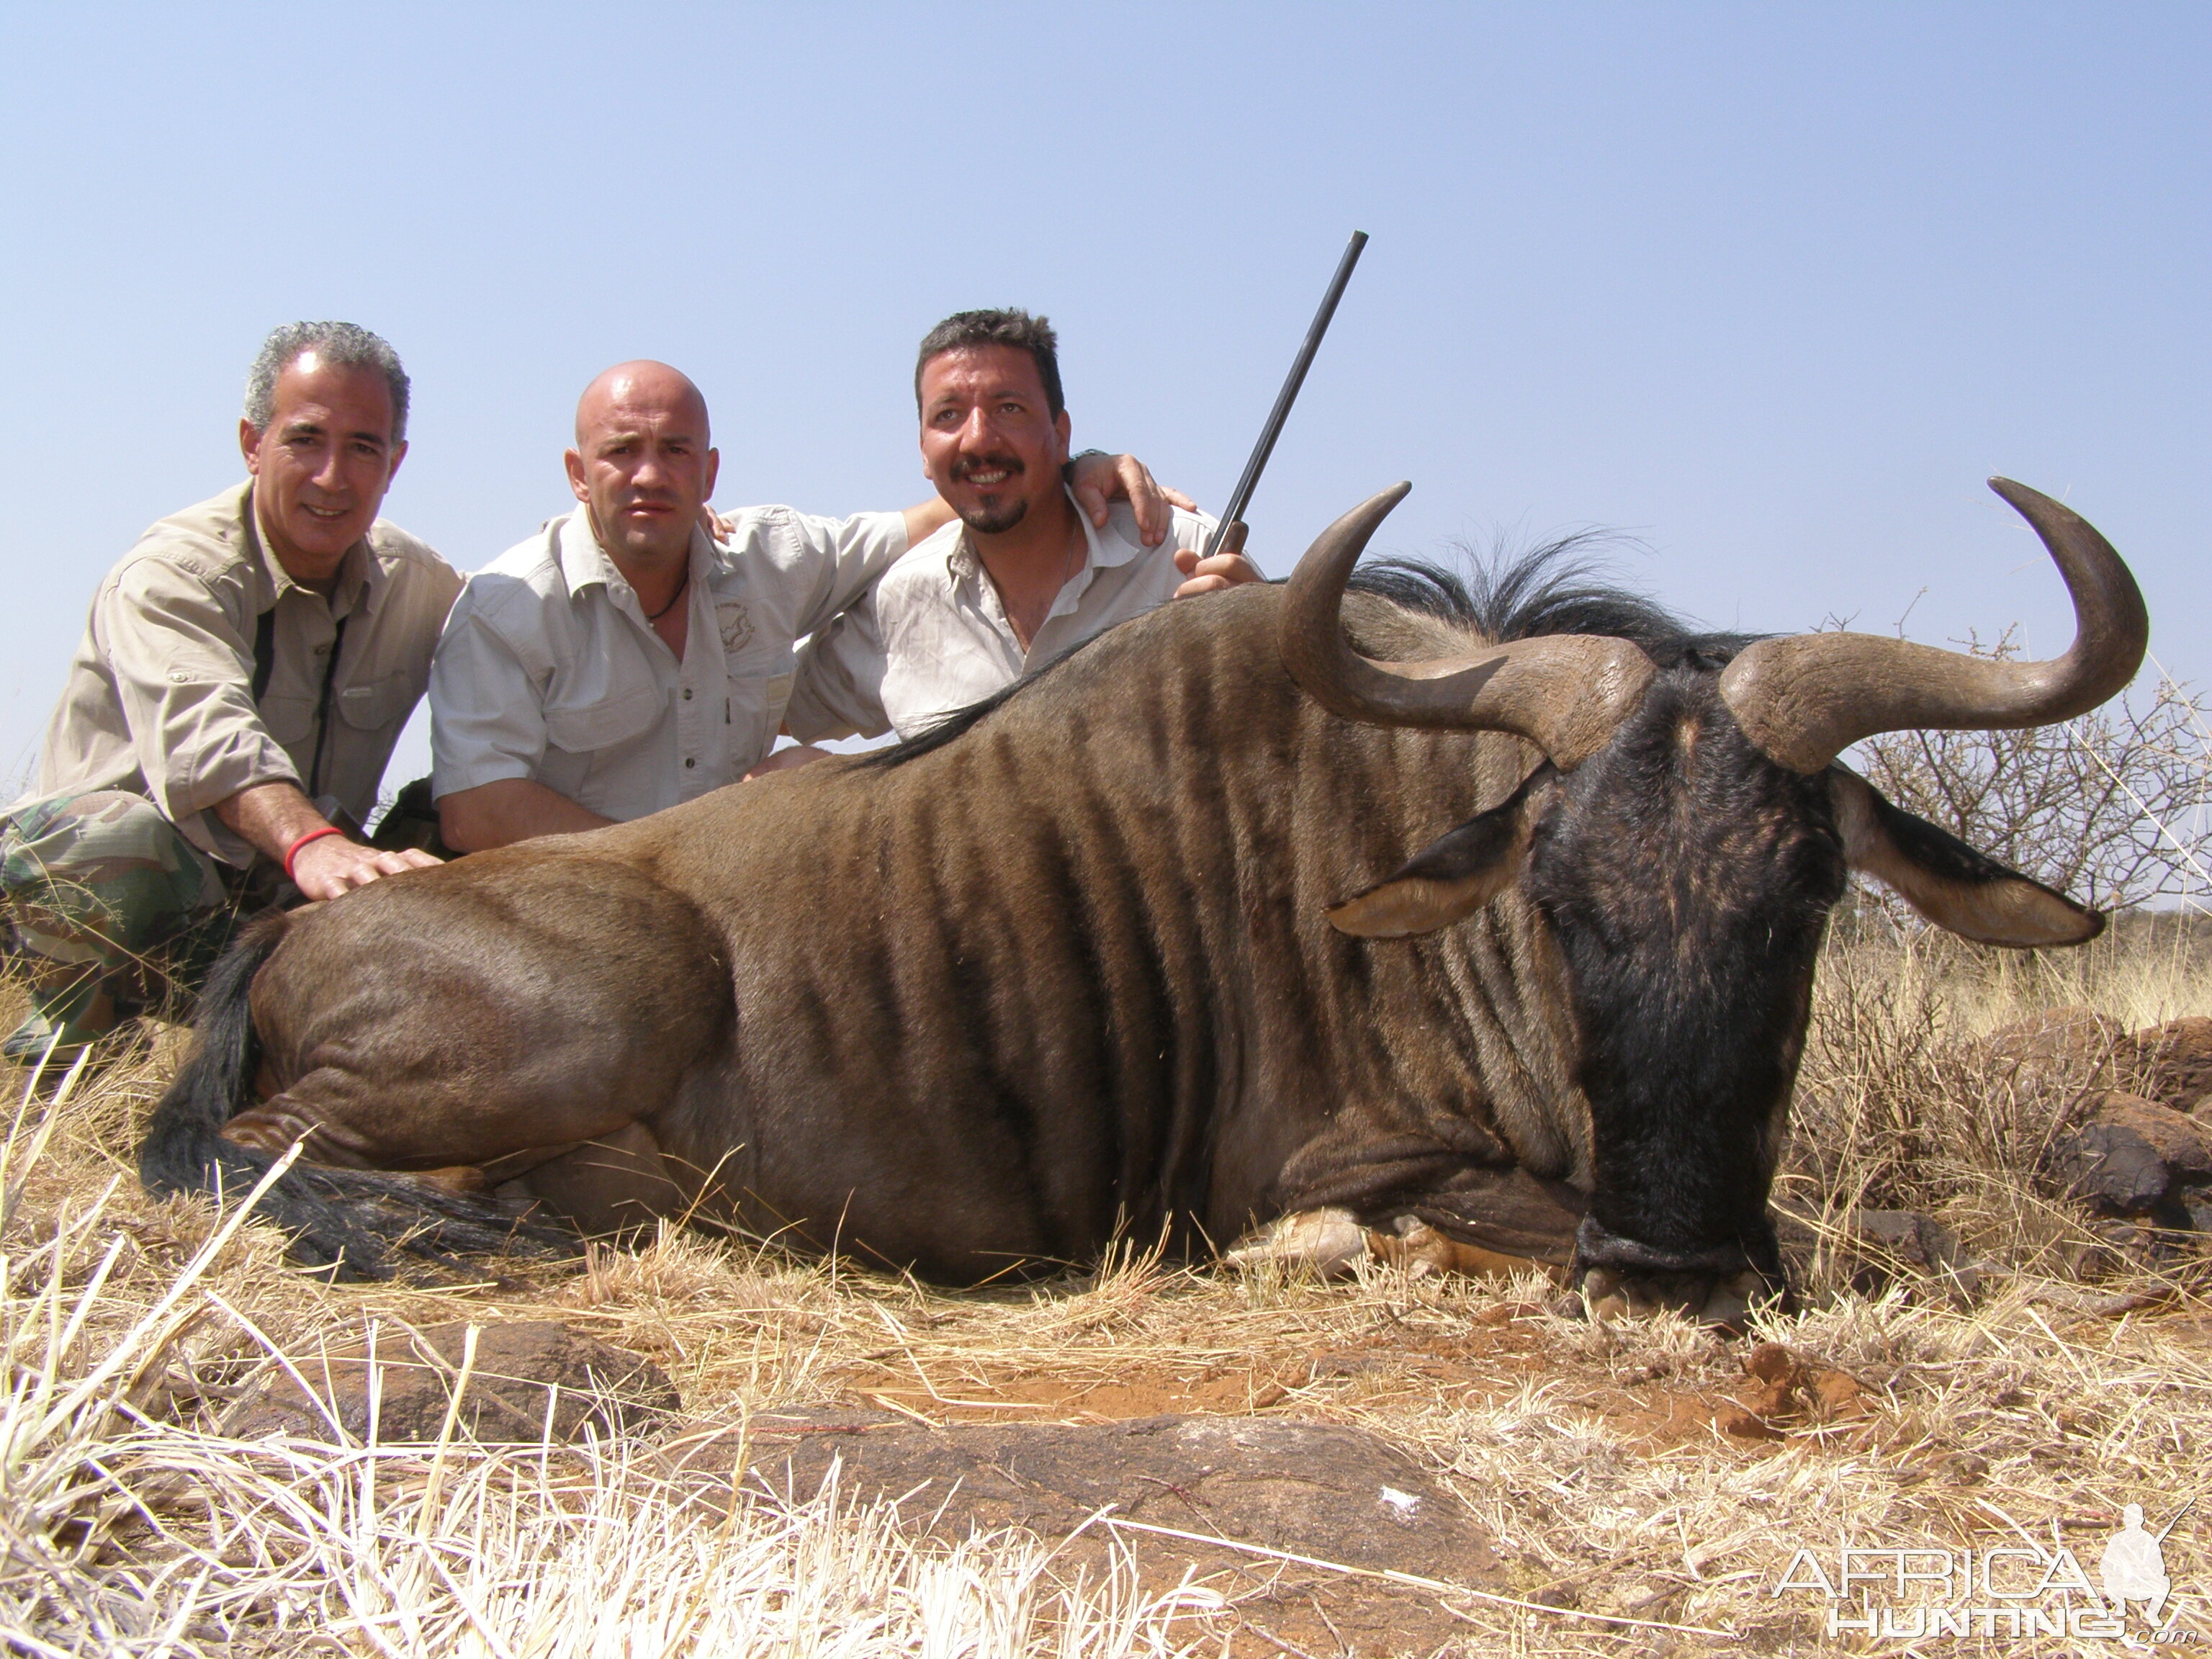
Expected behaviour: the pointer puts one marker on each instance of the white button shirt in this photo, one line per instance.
(933, 636)
(548, 671)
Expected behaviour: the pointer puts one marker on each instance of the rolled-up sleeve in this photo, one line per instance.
(840, 557)
(183, 674)
(487, 706)
(838, 691)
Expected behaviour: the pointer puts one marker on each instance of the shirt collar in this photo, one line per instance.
(584, 563)
(1101, 550)
(1109, 548)
(359, 578)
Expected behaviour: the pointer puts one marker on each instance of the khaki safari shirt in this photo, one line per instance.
(159, 696)
(933, 636)
(548, 671)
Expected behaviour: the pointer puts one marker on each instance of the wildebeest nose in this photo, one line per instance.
(1597, 1245)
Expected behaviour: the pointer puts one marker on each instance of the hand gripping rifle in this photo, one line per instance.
(1228, 535)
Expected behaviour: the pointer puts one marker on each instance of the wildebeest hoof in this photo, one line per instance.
(1329, 1241)
(1610, 1295)
(1414, 1244)
(1605, 1297)
(1729, 1302)
(1324, 1241)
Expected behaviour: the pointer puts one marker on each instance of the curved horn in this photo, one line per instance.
(1805, 699)
(1565, 693)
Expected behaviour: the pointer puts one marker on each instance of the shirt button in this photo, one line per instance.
(687, 694)
(689, 764)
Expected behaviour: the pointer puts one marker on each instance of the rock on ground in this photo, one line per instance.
(1336, 1493)
(2140, 1104)
(2136, 1156)
(2170, 1064)
(525, 1371)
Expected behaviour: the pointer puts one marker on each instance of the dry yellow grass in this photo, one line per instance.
(2080, 1381)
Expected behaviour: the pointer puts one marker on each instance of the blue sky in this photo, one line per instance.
(1771, 288)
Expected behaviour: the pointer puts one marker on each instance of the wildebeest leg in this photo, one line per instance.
(616, 1184)
(1414, 1243)
(349, 1121)
(1332, 1241)
(466, 1017)
(1365, 1188)
(1327, 1241)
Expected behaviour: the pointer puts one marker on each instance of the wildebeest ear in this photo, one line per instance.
(1947, 881)
(1451, 877)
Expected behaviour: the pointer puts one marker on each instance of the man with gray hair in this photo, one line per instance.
(242, 679)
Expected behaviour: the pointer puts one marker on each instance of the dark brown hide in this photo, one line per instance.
(1068, 973)
(527, 997)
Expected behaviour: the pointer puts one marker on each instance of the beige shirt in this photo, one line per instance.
(548, 671)
(933, 636)
(159, 695)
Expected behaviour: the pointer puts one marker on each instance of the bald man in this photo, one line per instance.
(622, 660)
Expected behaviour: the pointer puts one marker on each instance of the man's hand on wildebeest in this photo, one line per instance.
(325, 868)
(275, 817)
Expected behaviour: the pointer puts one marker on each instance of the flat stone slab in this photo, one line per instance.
(1334, 1493)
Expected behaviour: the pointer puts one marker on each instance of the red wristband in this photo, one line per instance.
(293, 851)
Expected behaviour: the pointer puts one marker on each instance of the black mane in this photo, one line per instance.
(1556, 588)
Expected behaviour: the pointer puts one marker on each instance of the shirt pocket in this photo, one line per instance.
(756, 706)
(589, 727)
(290, 720)
(380, 703)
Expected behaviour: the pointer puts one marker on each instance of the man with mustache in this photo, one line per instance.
(623, 659)
(243, 677)
(1023, 577)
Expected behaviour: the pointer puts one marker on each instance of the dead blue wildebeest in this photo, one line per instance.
(1352, 917)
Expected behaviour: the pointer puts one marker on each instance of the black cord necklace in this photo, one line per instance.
(682, 588)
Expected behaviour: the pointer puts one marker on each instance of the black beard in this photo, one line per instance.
(994, 520)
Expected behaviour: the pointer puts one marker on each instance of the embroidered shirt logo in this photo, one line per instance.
(737, 623)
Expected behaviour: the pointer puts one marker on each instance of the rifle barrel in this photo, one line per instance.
(1241, 497)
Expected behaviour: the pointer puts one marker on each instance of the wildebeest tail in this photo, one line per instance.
(183, 1148)
(343, 1220)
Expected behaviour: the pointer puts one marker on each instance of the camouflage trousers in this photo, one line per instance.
(106, 894)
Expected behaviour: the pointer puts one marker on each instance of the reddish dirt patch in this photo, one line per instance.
(1780, 1397)
(1019, 1397)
